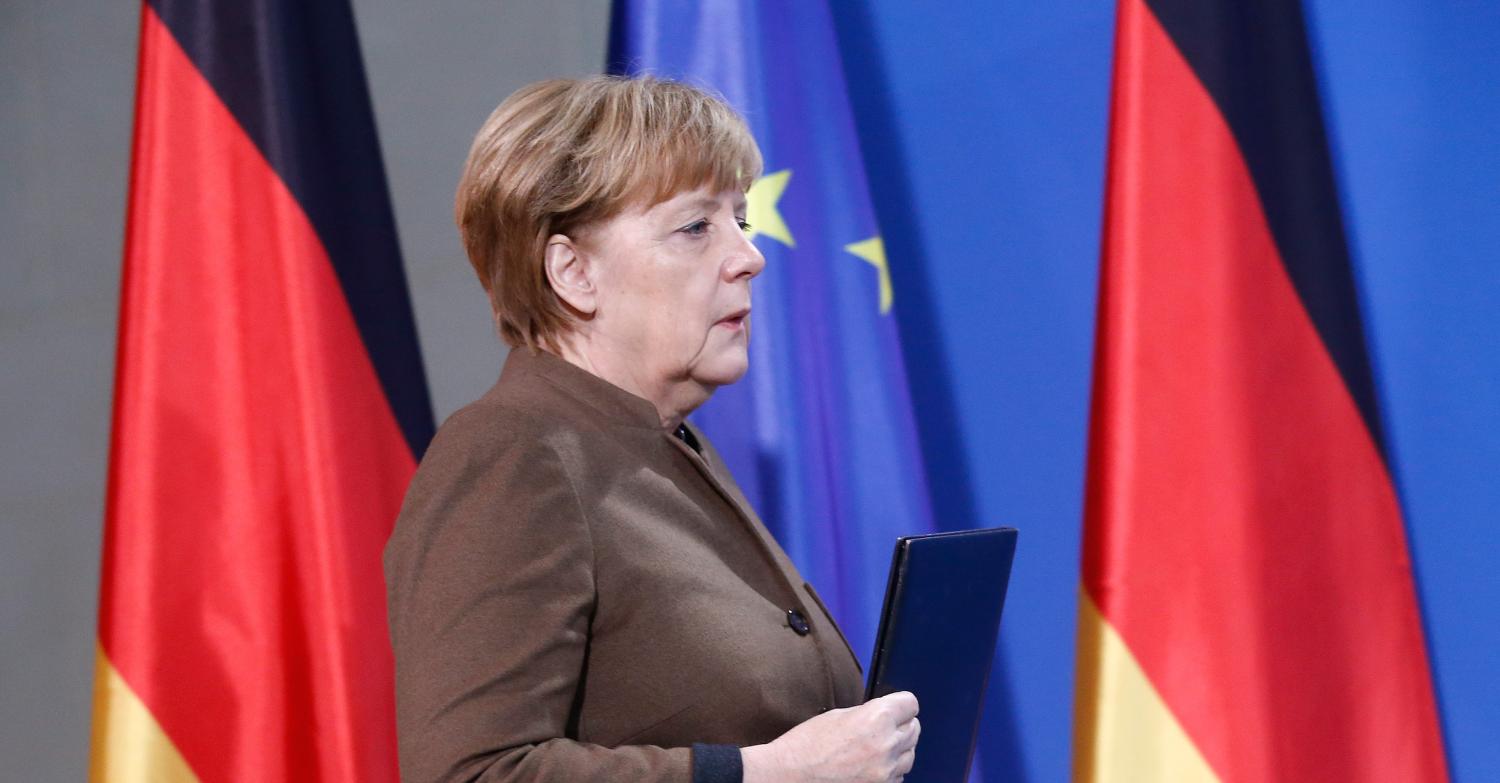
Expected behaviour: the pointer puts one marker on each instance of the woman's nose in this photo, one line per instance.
(745, 259)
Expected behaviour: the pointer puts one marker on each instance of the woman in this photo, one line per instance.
(578, 590)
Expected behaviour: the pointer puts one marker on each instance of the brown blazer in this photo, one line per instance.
(576, 595)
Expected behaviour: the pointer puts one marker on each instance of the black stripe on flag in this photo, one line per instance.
(1253, 59)
(290, 72)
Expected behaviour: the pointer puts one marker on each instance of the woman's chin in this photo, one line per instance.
(722, 370)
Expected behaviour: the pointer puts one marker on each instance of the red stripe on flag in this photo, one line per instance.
(1242, 534)
(256, 467)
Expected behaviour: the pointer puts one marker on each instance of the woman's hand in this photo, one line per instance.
(872, 743)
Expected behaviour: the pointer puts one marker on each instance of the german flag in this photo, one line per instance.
(269, 410)
(1248, 610)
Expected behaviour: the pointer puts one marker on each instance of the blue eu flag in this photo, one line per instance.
(820, 432)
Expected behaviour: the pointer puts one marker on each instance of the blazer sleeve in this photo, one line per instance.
(490, 589)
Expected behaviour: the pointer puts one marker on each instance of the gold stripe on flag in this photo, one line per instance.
(1122, 730)
(127, 744)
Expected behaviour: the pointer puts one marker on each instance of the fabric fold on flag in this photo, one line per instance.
(1248, 609)
(269, 410)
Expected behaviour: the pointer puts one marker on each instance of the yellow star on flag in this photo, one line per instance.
(872, 250)
(761, 212)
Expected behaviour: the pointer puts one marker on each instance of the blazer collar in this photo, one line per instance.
(613, 402)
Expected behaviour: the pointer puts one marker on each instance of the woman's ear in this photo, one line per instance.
(571, 275)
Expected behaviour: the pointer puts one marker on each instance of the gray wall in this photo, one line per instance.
(67, 80)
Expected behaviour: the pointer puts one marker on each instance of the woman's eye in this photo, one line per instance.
(744, 225)
(695, 229)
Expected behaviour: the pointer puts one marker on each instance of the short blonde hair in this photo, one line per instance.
(559, 155)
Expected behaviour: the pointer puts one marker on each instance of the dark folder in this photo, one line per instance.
(937, 638)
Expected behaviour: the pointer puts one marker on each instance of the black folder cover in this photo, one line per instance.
(937, 638)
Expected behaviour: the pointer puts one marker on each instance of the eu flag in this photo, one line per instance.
(820, 432)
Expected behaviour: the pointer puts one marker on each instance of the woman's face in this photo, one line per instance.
(673, 289)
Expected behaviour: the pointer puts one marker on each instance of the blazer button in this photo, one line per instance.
(798, 623)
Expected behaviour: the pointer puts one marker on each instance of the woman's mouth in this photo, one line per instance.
(735, 320)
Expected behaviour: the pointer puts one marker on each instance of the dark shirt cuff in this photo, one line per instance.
(717, 764)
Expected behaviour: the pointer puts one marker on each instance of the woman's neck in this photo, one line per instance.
(673, 397)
